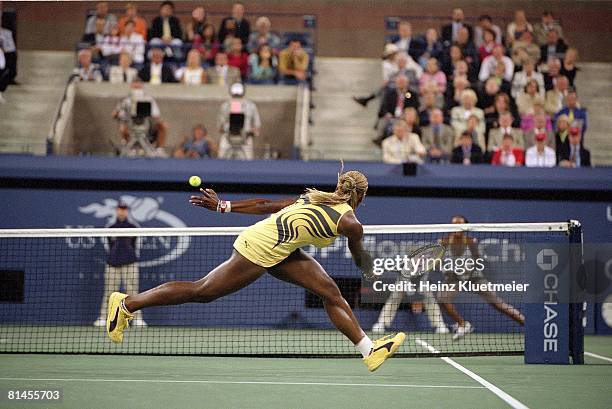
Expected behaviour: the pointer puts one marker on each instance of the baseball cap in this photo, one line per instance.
(390, 49)
(237, 89)
(574, 130)
(540, 137)
(122, 205)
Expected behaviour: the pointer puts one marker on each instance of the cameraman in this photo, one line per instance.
(125, 113)
(238, 106)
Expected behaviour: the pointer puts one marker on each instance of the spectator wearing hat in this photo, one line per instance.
(576, 115)
(156, 71)
(121, 264)
(508, 154)
(389, 69)
(540, 155)
(574, 155)
(293, 63)
(468, 152)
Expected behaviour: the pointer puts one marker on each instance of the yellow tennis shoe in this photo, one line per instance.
(117, 319)
(382, 349)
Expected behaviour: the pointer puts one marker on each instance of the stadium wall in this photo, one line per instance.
(57, 192)
(346, 28)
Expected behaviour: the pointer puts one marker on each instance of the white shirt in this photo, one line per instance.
(388, 69)
(135, 45)
(535, 159)
(490, 63)
(6, 38)
(190, 76)
(396, 151)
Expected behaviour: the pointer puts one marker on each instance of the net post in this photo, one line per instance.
(577, 301)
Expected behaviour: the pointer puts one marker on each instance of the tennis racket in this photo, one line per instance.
(424, 258)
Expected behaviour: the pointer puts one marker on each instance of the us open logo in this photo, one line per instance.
(154, 251)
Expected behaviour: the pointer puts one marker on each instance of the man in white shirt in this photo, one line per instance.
(132, 42)
(123, 73)
(540, 155)
(402, 146)
(490, 63)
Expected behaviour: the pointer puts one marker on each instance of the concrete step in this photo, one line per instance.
(27, 116)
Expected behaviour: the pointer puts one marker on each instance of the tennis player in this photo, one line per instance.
(275, 245)
(460, 244)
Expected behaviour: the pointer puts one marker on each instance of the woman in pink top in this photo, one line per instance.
(433, 74)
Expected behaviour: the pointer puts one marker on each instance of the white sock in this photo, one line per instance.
(365, 346)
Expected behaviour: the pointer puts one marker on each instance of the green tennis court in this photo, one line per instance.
(103, 381)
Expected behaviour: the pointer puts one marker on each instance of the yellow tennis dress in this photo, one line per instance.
(300, 224)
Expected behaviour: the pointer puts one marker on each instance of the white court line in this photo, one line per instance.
(605, 358)
(375, 385)
(500, 394)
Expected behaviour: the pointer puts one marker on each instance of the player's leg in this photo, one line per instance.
(301, 269)
(434, 314)
(131, 278)
(230, 276)
(388, 312)
(463, 327)
(503, 307)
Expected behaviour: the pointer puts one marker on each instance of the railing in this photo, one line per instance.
(59, 120)
(302, 115)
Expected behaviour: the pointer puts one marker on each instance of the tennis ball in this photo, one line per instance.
(195, 181)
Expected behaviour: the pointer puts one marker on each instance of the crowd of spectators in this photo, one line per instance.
(193, 53)
(480, 94)
(131, 50)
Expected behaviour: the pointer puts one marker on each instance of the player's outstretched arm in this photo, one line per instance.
(209, 200)
(350, 227)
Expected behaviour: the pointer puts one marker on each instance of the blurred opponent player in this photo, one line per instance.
(461, 245)
(275, 245)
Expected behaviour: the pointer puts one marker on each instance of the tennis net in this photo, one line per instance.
(54, 283)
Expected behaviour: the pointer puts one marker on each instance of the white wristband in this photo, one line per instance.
(224, 206)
